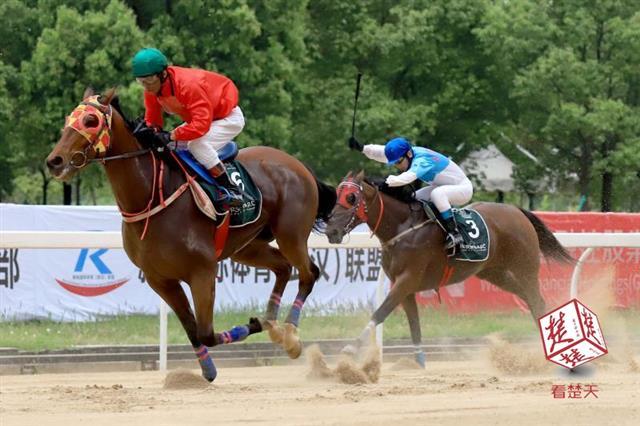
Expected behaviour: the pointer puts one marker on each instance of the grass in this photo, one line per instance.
(143, 329)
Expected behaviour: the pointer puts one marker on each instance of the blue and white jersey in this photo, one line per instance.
(427, 165)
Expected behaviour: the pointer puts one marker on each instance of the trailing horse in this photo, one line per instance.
(413, 254)
(175, 241)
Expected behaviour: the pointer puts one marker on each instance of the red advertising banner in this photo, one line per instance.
(610, 274)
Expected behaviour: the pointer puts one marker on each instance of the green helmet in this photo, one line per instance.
(148, 61)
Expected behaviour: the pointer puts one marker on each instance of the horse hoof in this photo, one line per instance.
(209, 379)
(276, 333)
(291, 343)
(421, 359)
(255, 326)
(349, 350)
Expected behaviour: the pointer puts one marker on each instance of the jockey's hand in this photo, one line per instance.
(144, 132)
(383, 185)
(355, 145)
(164, 138)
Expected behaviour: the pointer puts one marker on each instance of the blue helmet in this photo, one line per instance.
(396, 149)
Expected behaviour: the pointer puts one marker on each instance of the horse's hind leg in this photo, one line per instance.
(523, 284)
(293, 246)
(411, 309)
(261, 254)
(171, 292)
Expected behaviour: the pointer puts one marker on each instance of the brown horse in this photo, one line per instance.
(413, 254)
(178, 243)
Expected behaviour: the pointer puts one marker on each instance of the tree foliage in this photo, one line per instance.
(560, 79)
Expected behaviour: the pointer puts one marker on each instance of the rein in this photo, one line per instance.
(120, 156)
(360, 211)
(412, 228)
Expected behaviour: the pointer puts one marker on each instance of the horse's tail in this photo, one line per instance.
(549, 244)
(326, 200)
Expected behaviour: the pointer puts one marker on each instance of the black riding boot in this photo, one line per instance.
(453, 234)
(219, 173)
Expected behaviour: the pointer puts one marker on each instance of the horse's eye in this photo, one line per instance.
(351, 199)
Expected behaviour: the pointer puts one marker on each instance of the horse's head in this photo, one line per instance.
(86, 135)
(350, 209)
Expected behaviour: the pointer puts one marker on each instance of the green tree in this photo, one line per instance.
(575, 85)
(82, 49)
(259, 45)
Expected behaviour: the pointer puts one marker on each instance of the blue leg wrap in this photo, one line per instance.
(236, 334)
(209, 371)
(421, 358)
(294, 314)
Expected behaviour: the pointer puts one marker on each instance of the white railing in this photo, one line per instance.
(73, 239)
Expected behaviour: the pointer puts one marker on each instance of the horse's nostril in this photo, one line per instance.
(54, 162)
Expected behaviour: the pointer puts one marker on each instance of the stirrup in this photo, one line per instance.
(452, 241)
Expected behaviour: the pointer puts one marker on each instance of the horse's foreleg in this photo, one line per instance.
(261, 254)
(203, 291)
(411, 309)
(171, 292)
(396, 295)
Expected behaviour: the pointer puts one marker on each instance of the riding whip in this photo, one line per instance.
(355, 105)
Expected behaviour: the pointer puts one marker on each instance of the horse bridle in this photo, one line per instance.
(358, 209)
(98, 137)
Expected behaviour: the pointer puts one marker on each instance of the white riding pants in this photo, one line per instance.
(450, 187)
(205, 148)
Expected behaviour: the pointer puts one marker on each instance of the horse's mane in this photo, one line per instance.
(404, 193)
(148, 142)
(115, 103)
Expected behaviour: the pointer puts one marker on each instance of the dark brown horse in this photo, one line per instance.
(178, 244)
(413, 254)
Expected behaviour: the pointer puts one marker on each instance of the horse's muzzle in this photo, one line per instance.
(335, 236)
(58, 168)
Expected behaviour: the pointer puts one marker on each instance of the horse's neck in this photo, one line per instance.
(131, 178)
(396, 216)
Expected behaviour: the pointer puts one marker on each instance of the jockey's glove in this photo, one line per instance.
(355, 145)
(144, 133)
(164, 138)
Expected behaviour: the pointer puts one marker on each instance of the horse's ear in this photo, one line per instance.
(360, 176)
(88, 92)
(106, 98)
(348, 176)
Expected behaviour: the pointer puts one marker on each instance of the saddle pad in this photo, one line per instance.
(251, 195)
(473, 229)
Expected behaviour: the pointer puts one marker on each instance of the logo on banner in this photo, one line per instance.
(94, 280)
(571, 335)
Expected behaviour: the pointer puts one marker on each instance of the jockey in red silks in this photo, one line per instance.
(205, 100)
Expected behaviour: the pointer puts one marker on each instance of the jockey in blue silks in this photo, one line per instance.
(446, 183)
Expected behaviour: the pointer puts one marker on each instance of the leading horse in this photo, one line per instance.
(177, 243)
(413, 254)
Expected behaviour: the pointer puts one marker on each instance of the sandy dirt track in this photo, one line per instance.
(446, 393)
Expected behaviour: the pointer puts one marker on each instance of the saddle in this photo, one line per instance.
(472, 227)
(211, 197)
